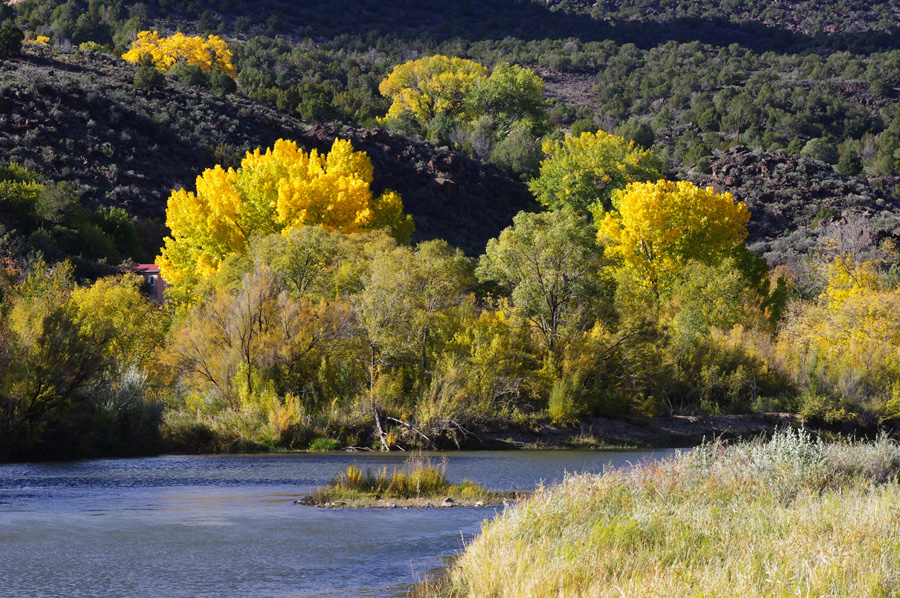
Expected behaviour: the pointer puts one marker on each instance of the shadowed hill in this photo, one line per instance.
(793, 25)
(77, 117)
(792, 200)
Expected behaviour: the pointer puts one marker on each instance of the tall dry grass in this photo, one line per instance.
(790, 516)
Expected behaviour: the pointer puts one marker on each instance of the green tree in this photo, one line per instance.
(511, 94)
(430, 86)
(11, 38)
(638, 131)
(47, 357)
(406, 292)
(553, 269)
(584, 172)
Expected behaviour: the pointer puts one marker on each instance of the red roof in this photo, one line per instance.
(147, 268)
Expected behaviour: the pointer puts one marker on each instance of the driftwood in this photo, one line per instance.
(409, 427)
(379, 429)
(450, 427)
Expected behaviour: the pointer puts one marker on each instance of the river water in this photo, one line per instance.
(227, 525)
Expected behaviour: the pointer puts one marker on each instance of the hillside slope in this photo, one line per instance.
(792, 201)
(76, 116)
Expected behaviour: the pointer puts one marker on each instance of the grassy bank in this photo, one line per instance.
(420, 483)
(788, 516)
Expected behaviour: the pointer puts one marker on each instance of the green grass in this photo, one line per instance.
(786, 517)
(418, 479)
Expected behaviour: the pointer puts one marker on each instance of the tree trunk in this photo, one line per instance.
(424, 351)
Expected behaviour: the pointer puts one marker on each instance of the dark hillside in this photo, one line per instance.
(785, 26)
(792, 200)
(77, 117)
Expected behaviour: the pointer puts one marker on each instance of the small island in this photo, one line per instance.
(419, 484)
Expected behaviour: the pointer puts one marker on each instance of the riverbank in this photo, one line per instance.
(779, 517)
(675, 431)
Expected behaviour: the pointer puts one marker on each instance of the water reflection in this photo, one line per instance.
(228, 526)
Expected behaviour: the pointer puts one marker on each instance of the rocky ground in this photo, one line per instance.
(793, 200)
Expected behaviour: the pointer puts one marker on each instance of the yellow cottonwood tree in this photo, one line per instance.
(584, 172)
(430, 86)
(276, 191)
(657, 228)
(211, 53)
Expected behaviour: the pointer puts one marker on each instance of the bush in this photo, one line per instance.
(149, 79)
(190, 74)
(11, 39)
(820, 149)
(583, 125)
(638, 131)
(564, 406)
(221, 83)
(850, 164)
(519, 153)
(324, 444)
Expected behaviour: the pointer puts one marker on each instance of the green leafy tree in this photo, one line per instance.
(47, 357)
(638, 131)
(11, 38)
(405, 294)
(430, 86)
(583, 172)
(553, 269)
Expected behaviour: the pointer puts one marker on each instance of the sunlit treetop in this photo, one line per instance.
(430, 86)
(209, 54)
(273, 191)
(583, 172)
(848, 278)
(657, 228)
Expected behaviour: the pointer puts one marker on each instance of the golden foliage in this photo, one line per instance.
(659, 227)
(211, 53)
(276, 191)
(430, 86)
(583, 172)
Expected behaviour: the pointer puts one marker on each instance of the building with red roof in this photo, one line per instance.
(154, 285)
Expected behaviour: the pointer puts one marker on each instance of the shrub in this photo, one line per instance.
(638, 131)
(11, 39)
(324, 444)
(149, 79)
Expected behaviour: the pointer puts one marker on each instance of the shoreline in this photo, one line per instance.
(673, 431)
(499, 499)
(598, 433)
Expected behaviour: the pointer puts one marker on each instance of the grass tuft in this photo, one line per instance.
(420, 478)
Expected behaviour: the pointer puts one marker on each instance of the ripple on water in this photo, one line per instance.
(227, 526)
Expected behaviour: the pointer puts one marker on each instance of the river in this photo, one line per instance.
(191, 526)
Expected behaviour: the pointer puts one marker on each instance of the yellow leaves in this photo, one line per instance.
(583, 172)
(330, 191)
(430, 86)
(658, 227)
(848, 278)
(41, 40)
(164, 52)
(276, 191)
